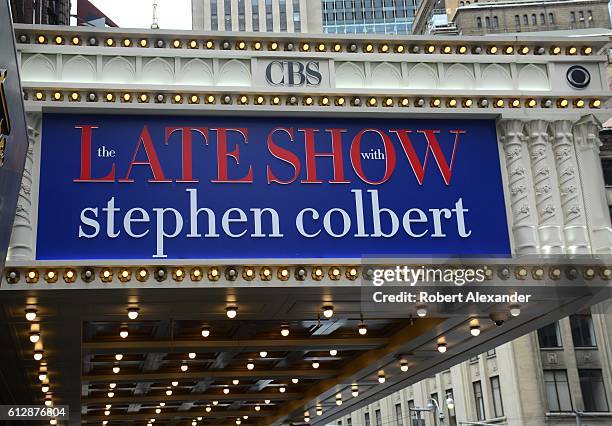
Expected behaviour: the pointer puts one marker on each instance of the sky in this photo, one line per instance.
(172, 14)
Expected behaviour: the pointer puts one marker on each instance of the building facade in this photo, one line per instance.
(494, 17)
(51, 12)
(368, 16)
(292, 16)
(545, 378)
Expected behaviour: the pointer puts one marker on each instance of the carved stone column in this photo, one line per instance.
(586, 138)
(21, 246)
(550, 223)
(575, 228)
(520, 186)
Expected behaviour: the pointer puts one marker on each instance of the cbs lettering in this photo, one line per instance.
(293, 73)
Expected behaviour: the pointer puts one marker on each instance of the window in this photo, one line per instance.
(491, 352)
(255, 14)
(479, 22)
(339, 422)
(495, 22)
(452, 418)
(517, 20)
(214, 23)
(434, 413)
(297, 21)
(549, 336)
(551, 18)
(498, 405)
(534, 19)
(399, 419)
(557, 390)
(410, 408)
(241, 15)
(349, 421)
(227, 10)
(282, 4)
(488, 22)
(378, 417)
(479, 400)
(542, 19)
(525, 20)
(593, 390)
(366, 419)
(581, 15)
(269, 26)
(572, 16)
(590, 15)
(582, 330)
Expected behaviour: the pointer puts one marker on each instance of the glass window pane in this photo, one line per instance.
(593, 390)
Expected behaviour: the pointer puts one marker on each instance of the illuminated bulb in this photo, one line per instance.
(319, 411)
(333, 352)
(372, 101)
(447, 49)
(210, 44)
(42, 375)
(45, 388)
(118, 357)
(39, 96)
(499, 103)
(400, 48)
(587, 50)
(124, 332)
(112, 385)
(493, 50)
(226, 390)
(266, 401)
(34, 336)
(515, 103)
(442, 347)
(250, 365)
(263, 354)
(205, 331)
(295, 381)
(363, 329)
(168, 392)
(174, 383)
(235, 382)
(157, 410)
(257, 408)
(30, 314)
(132, 312)
(315, 364)
(355, 391)
(184, 367)
(462, 49)
(192, 355)
(208, 408)
(53, 422)
(127, 97)
(245, 417)
(328, 311)
(48, 403)
(404, 365)
(509, 50)
(515, 311)
(579, 103)
(555, 50)
(595, 103)
(111, 394)
(475, 330)
(108, 406)
(116, 369)
(531, 103)
(305, 47)
(285, 330)
(231, 312)
(143, 42)
(215, 402)
(257, 45)
(38, 355)
(178, 98)
(339, 399)
(282, 389)
(381, 377)
(162, 404)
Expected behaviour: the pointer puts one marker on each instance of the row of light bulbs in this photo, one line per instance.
(323, 100)
(306, 46)
(196, 273)
(266, 273)
(31, 315)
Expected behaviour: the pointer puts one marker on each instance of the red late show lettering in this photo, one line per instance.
(284, 155)
(312, 154)
(432, 145)
(223, 154)
(187, 148)
(153, 160)
(390, 157)
(86, 158)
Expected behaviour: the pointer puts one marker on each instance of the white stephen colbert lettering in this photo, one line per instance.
(265, 222)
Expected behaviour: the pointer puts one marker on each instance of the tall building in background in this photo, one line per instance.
(50, 12)
(368, 16)
(299, 16)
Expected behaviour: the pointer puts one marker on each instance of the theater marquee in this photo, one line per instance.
(140, 187)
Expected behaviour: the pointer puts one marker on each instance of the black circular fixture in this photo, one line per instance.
(578, 77)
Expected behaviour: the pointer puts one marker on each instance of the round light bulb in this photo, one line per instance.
(442, 347)
(133, 313)
(475, 330)
(263, 354)
(118, 357)
(250, 365)
(192, 355)
(231, 312)
(515, 311)
(205, 332)
(333, 352)
(30, 314)
(328, 311)
(284, 331)
(421, 312)
(363, 329)
(226, 390)
(315, 364)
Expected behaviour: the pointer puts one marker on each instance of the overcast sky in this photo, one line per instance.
(172, 14)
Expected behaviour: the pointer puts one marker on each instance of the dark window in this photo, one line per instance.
(517, 20)
(214, 23)
(378, 417)
(549, 336)
(582, 330)
(410, 408)
(366, 419)
(255, 14)
(479, 22)
(542, 19)
(593, 390)
(488, 22)
(581, 15)
(557, 390)
(434, 396)
(282, 5)
(551, 18)
(479, 400)
(399, 419)
(495, 22)
(339, 422)
(525, 20)
(534, 19)
(349, 421)
(498, 404)
(572, 16)
(227, 10)
(297, 21)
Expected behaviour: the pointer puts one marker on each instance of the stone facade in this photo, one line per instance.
(496, 17)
